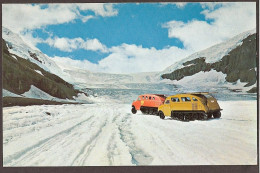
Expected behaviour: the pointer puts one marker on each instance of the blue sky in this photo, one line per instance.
(139, 24)
(130, 34)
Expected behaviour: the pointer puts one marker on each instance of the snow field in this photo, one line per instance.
(109, 134)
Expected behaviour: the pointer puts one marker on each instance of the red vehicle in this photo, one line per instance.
(148, 103)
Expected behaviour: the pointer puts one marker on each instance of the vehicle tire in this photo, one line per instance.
(133, 110)
(186, 117)
(190, 116)
(195, 116)
(217, 114)
(150, 111)
(203, 116)
(161, 115)
(178, 115)
(146, 111)
(182, 117)
(209, 115)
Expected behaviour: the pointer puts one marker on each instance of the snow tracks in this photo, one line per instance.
(74, 135)
(108, 134)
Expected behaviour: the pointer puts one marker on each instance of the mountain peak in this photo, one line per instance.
(213, 53)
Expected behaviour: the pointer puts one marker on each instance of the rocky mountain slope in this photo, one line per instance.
(18, 47)
(20, 74)
(236, 61)
(231, 64)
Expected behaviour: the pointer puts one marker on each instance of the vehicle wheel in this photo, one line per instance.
(190, 116)
(182, 117)
(146, 111)
(195, 116)
(178, 115)
(203, 116)
(150, 111)
(161, 115)
(217, 114)
(186, 117)
(209, 115)
(133, 110)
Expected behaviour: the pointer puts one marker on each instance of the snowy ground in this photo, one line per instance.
(109, 134)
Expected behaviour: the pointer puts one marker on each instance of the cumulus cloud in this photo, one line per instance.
(68, 45)
(180, 5)
(228, 20)
(20, 17)
(94, 45)
(99, 9)
(128, 58)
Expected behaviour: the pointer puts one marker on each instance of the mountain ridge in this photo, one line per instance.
(238, 64)
(203, 61)
(20, 73)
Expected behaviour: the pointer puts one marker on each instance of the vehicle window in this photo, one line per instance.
(194, 99)
(153, 98)
(185, 99)
(167, 101)
(146, 97)
(175, 99)
(139, 98)
(143, 97)
(150, 98)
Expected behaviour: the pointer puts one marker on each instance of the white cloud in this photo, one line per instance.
(210, 5)
(180, 5)
(64, 44)
(94, 45)
(68, 45)
(20, 17)
(127, 58)
(86, 18)
(99, 9)
(229, 19)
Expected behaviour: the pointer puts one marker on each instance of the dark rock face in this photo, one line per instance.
(34, 56)
(18, 76)
(240, 63)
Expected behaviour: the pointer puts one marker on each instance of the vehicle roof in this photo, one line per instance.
(189, 94)
(154, 95)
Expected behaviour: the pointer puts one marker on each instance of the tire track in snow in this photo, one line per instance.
(111, 149)
(88, 146)
(10, 160)
(52, 144)
(117, 150)
(160, 145)
(139, 156)
(180, 147)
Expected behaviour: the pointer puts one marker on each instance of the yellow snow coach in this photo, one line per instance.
(190, 106)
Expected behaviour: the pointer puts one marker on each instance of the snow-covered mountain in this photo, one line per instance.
(214, 53)
(18, 47)
(229, 64)
(27, 76)
(214, 67)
